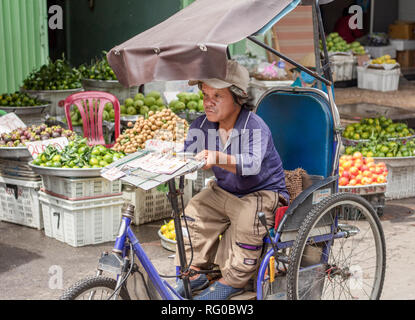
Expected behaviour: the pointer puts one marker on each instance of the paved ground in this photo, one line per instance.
(31, 264)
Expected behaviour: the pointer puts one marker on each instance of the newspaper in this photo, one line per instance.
(148, 169)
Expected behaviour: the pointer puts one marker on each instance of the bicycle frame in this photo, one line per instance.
(167, 292)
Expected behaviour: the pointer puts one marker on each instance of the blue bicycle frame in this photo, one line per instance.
(167, 292)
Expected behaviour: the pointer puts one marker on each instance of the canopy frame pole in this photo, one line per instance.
(326, 59)
(272, 50)
(316, 37)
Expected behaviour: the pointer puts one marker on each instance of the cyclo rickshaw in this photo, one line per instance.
(328, 245)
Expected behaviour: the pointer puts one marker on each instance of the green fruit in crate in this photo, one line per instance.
(194, 97)
(159, 102)
(123, 109)
(173, 104)
(106, 116)
(129, 102)
(138, 96)
(180, 106)
(154, 94)
(93, 162)
(192, 105)
(138, 104)
(131, 111)
(200, 106)
(144, 110)
(154, 108)
(112, 114)
(108, 107)
(108, 158)
(103, 163)
(149, 101)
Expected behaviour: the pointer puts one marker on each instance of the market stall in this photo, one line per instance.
(386, 144)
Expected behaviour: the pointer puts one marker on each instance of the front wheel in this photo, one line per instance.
(336, 255)
(94, 288)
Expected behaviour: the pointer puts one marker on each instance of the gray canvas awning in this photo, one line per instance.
(192, 43)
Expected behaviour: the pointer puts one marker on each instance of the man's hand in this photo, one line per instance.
(210, 158)
(216, 158)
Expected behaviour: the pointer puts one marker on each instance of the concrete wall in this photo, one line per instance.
(407, 10)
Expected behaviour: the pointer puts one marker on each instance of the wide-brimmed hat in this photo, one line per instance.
(236, 75)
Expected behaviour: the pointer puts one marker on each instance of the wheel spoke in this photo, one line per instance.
(355, 265)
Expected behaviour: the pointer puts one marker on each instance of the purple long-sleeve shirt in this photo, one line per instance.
(258, 164)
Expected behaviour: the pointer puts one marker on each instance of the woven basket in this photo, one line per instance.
(296, 181)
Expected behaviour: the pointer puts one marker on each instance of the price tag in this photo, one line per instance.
(10, 122)
(37, 147)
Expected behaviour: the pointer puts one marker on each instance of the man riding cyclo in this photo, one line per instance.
(238, 146)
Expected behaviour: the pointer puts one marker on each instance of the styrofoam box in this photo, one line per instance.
(19, 202)
(342, 67)
(153, 205)
(376, 52)
(378, 79)
(401, 44)
(80, 223)
(75, 189)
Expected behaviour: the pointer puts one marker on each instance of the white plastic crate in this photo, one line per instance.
(378, 79)
(342, 67)
(80, 189)
(81, 223)
(401, 177)
(19, 202)
(153, 205)
(376, 52)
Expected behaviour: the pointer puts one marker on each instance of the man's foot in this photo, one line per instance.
(199, 283)
(219, 291)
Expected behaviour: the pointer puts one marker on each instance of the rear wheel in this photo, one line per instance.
(350, 267)
(94, 288)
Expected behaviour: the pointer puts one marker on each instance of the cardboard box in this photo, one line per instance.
(406, 58)
(402, 30)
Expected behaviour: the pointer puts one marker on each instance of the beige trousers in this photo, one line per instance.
(214, 212)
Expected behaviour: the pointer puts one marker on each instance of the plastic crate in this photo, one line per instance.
(374, 193)
(80, 189)
(342, 67)
(81, 223)
(376, 52)
(152, 205)
(401, 177)
(19, 202)
(378, 79)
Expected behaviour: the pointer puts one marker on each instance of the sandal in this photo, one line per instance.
(199, 283)
(219, 291)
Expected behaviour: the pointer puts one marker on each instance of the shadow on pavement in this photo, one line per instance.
(398, 213)
(12, 257)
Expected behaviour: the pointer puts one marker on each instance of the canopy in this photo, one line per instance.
(192, 43)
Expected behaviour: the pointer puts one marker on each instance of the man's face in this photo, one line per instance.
(219, 104)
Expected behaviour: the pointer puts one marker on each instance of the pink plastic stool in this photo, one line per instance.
(91, 106)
